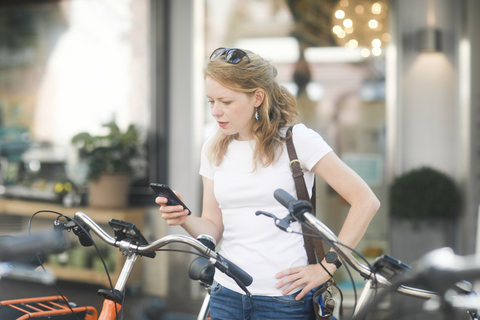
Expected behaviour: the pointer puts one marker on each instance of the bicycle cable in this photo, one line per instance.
(351, 277)
(328, 272)
(41, 263)
(94, 244)
(347, 268)
(104, 265)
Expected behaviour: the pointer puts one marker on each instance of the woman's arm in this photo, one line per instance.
(210, 222)
(364, 204)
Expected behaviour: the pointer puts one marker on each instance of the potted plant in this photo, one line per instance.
(423, 194)
(109, 163)
(424, 205)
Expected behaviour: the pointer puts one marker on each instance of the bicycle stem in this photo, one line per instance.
(125, 273)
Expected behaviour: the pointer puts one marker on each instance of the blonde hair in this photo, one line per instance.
(278, 109)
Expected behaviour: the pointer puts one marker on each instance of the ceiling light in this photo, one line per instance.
(347, 23)
(340, 14)
(376, 8)
(373, 24)
(365, 21)
(376, 43)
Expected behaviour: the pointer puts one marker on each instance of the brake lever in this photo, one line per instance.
(268, 214)
(283, 224)
(82, 232)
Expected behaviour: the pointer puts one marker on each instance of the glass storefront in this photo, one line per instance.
(68, 67)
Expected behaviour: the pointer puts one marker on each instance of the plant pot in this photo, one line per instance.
(410, 241)
(109, 191)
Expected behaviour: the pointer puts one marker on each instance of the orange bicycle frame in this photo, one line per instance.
(110, 310)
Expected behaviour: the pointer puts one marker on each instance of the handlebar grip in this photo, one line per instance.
(238, 272)
(285, 198)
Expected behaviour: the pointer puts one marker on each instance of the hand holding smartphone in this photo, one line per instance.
(163, 190)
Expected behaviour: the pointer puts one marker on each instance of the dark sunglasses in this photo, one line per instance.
(231, 55)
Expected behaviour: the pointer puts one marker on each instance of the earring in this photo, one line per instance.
(256, 114)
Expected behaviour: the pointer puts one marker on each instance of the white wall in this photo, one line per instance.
(470, 99)
(427, 91)
(437, 104)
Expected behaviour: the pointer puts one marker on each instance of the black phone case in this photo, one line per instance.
(164, 191)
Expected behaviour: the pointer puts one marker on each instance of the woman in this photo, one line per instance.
(242, 166)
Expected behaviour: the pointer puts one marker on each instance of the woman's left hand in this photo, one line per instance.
(310, 276)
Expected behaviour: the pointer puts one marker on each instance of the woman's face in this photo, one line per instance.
(233, 110)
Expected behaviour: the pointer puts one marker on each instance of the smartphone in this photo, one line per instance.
(164, 191)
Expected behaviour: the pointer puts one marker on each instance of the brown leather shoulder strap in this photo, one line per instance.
(313, 246)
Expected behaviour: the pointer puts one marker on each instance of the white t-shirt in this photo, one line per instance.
(253, 242)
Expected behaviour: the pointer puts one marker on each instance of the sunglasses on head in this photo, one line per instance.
(233, 55)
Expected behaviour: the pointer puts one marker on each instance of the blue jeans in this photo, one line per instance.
(226, 304)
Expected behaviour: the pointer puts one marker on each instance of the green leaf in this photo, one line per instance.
(424, 193)
(111, 153)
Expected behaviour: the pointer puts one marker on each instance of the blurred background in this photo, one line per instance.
(391, 85)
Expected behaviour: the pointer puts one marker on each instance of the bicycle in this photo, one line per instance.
(132, 244)
(445, 283)
(130, 241)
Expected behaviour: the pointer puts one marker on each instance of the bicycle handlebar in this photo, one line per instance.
(242, 278)
(444, 264)
(439, 270)
(362, 269)
(298, 211)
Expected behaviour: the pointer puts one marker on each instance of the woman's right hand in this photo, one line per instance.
(173, 215)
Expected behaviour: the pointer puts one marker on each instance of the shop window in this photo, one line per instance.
(68, 66)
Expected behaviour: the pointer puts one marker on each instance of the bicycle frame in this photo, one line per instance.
(202, 315)
(110, 309)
